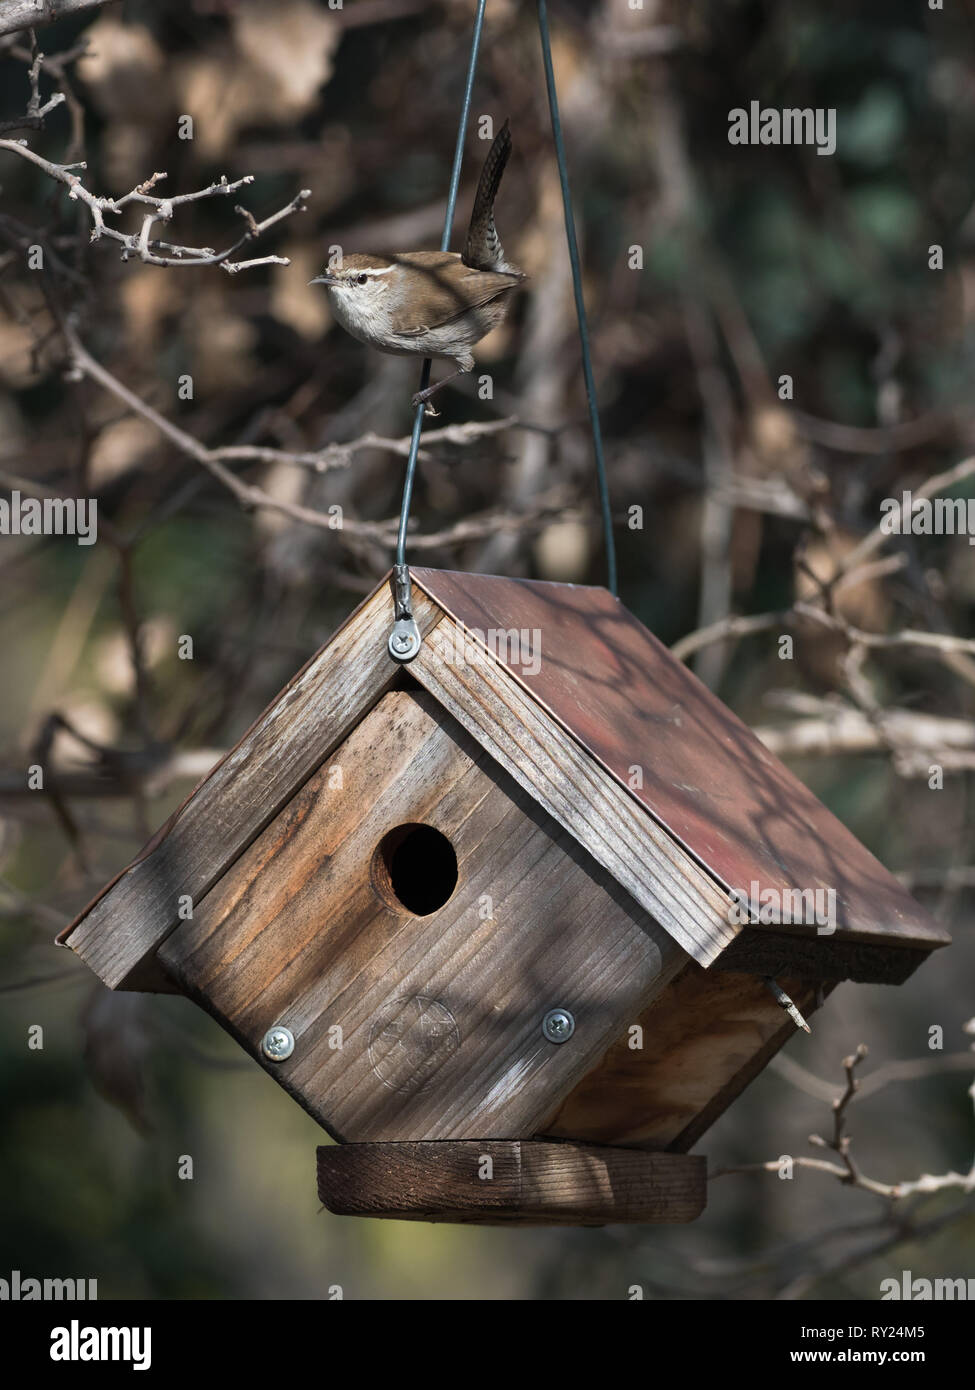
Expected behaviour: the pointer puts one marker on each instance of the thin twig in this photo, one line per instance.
(536, 514)
(848, 1170)
(139, 243)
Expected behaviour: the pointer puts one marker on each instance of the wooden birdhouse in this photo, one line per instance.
(514, 920)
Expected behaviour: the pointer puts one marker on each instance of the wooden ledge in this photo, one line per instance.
(522, 1182)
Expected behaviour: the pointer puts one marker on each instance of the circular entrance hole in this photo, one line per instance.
(417, 866)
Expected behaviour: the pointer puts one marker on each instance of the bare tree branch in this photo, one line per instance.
(140, 243)
(31, 14)
(941, 482)
(940, 643)
(837, 728)
(847, 1170)
(542, 509)
(857, 439)
(724, 628)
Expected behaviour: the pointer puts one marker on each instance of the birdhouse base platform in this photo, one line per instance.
(511, 1182)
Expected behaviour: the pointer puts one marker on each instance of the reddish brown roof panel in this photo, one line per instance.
(706, 777)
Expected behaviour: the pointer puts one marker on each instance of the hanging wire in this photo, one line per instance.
(570, 234)
(448, 225)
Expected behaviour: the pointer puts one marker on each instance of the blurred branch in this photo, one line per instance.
(717, 514)
(19, 904)
(31, 14)
(773, 496)
(42, 981)
(365, 12)
(939, 643)
(856, 439)
(834, 729)
(941, 482)
(961, 876)
(732, 626)
(913, 1069)
(633, 44)
(543, 508)
(679, 204)
(118, 772)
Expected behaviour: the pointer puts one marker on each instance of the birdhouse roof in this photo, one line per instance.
(659, 781)
(700, 771)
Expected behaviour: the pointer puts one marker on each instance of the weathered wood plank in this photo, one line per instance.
(580, 794)
(439, 1015)
(531, 1183)
(704, 1039)
(243, 793)
(705, 776)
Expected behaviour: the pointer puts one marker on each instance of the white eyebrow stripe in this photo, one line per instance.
(376, 270)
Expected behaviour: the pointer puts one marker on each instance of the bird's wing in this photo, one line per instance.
(452, 289)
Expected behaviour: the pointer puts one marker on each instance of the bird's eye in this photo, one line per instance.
(361, 279)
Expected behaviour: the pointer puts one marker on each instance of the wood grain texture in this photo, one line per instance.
(704, 1039)
(706, 777)
(531, 1183)
(119, 932)
(582, 796)
(440, 1015)
(242, 794)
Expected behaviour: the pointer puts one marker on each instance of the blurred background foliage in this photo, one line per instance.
(757, 262)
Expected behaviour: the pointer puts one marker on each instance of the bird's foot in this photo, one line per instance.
(430, 411)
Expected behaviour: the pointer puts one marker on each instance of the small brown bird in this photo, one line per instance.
(432, 303)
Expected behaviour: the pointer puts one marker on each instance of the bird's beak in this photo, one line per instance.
(324, 280)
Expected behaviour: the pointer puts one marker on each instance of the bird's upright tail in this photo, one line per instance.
(483, 250)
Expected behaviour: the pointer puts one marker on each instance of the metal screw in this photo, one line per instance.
(278, 1044)
(404, 640)
(558, 1025)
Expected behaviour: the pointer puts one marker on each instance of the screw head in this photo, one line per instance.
(558, 1025)
(278, 1043)
(403, 643)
